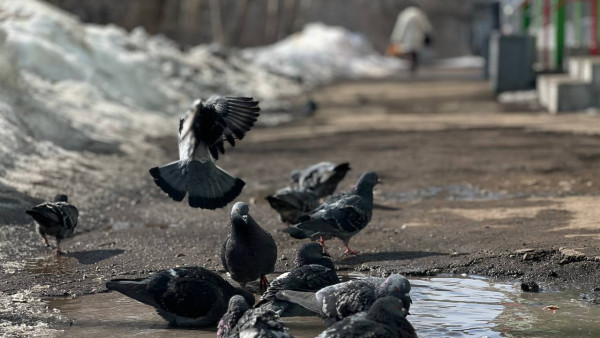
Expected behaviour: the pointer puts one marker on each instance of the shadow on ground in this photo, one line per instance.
(94, 256)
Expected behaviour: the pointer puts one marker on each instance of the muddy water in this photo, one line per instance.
(442, 307)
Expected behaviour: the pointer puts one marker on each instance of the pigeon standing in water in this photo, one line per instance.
(202, 132)
(341, 216)
(241, 321)
(339, 301)
(249, 252)
(322, 178)
(57, 218)
(385, 319)
(292, 203)
(190, 296)
(313, 272)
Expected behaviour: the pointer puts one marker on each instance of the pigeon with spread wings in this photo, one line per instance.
(202, 132)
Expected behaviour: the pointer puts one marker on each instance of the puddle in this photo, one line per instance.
(443, 307)
(50, 264)
(450, 193)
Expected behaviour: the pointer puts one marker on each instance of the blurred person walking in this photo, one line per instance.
(412, 32)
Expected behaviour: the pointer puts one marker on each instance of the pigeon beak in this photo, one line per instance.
(326, 254)
(245, 218)
(379, 181)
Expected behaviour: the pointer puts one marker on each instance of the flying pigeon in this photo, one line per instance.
(292, 203)
(57, 218)
(241, 321)
(202, 132)
(187, 296)
(339, 301)
(341, 216)
(322, 178)
(385, 319)
(249, 252)
(313, 272)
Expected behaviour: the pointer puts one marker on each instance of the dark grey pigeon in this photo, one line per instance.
(202, 132)
(57, 218)
(313, 272)
(385, 319)
(341, 216)
(189, 296)
(339, 301)
(240, 321)
(248, 252)
(292, 203)
(322, 178)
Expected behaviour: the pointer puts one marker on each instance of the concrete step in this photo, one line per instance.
(570, 95)
(582, 67)
(545, 82)
(576, 90)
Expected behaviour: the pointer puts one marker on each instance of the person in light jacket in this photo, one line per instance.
(411, 34)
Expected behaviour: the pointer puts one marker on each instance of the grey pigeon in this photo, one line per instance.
(248, 252)
(385, 319)
(339, 301)
(322, 178)
(292, 203)
(241, 321)
(313, 272)
(57, 218)
(188, 296)
(341, 216)
(202, 132)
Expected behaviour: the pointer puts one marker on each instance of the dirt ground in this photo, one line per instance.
(470, 186)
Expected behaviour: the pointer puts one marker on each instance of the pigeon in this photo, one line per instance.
(241, 321)
(248, 252)
(57, 218)
(338, 301)
(322, 178)
(313, 272)
(186, 296)
(292, 203)
(341, 216)
(202, 132)
(385, 319)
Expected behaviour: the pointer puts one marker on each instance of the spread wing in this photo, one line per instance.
(233, 118)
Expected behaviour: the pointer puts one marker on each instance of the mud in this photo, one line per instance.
(471, 186)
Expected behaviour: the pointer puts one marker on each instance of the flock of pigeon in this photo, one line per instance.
(195, 296)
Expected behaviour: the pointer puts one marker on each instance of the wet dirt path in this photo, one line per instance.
(470, 187)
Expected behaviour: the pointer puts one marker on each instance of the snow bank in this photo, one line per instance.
(321, 54)
(68, 87)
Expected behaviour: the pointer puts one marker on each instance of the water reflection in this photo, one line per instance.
(442, 307)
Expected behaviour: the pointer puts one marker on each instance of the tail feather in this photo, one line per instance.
(210, 187)
(296, 233)
(342, 168)
(305, 299)
(172, 179)
(280, 204)
(42, 216)
(136, 289)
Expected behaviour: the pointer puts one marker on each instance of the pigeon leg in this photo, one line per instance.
(58, 250)
(264, 283)
(322, 242)
(350, 251)
(45, 241)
